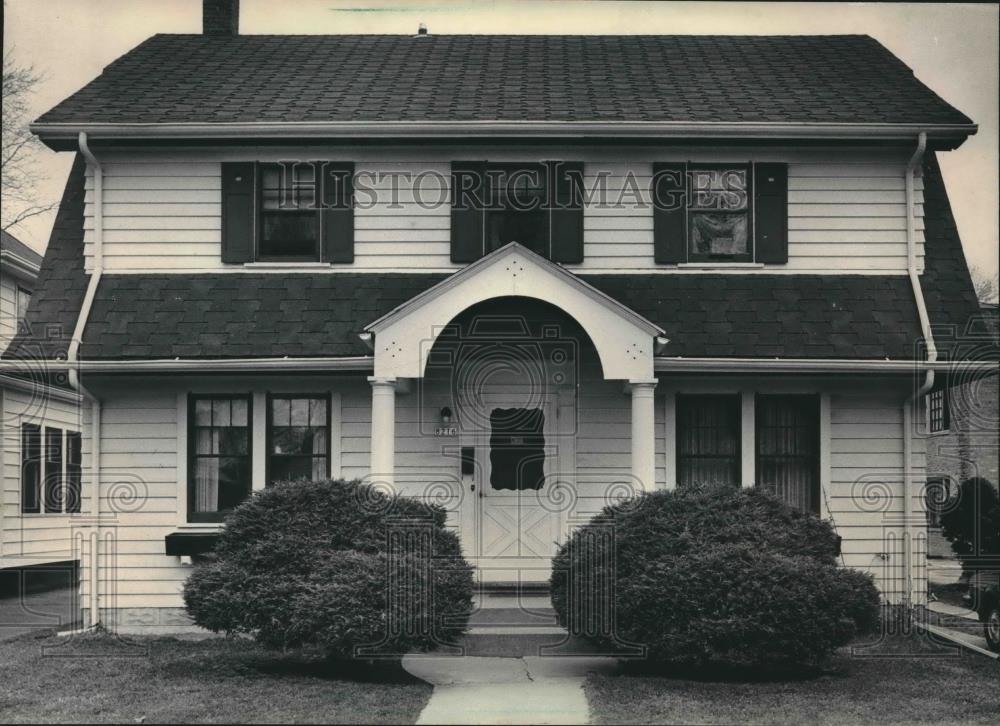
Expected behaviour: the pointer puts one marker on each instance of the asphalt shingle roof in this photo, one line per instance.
(197, 78)
(10, 243)
(235, 315)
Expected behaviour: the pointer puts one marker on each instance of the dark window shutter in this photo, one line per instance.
(237, 211)
(669, 213)
(468, 195)
(338, 212)
(566, 221)
(771, 213)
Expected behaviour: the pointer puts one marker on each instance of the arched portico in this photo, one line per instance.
(624, 341)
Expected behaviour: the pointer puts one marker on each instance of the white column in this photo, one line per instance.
(383, 442)
(643, 434)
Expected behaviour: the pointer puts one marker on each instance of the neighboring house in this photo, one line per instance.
(739, 307)
(39, 492)
(963, 423)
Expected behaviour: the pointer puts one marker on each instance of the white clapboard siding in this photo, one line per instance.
(31, 537)
(865, 494)
(8, 310)
(162, 211)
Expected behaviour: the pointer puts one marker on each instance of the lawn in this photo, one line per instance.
(937, 686)
(101, 679)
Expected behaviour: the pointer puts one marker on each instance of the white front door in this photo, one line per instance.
(517, 514)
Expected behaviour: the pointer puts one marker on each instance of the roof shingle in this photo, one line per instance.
(317, 78)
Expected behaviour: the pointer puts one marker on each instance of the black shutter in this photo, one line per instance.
(771, 213)
(468, 195)
(566, 221)
(237, 211)
(669, 213)
(338, 211)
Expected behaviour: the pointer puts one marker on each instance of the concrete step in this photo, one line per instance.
(512, 616)
(522, 642)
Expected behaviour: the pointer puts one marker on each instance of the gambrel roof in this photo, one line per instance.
(197, 79)
(267, 315)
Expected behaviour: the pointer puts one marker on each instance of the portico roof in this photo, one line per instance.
(625, 341)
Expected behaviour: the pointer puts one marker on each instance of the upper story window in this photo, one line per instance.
(536, 204)
(518, 209)
(293, 211)
(289, 212)
(719, 214)
(938, 409)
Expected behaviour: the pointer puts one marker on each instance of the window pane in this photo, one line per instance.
(203, 413)
(317, 412)
(23, 300)
(290, 468)
(232, 441)
(288, 234)
(281, 412)
(300, 412)
(708, 433)
(206, 485)
(718, 234)
(220, 412)
(788, 449)
(53, 470)
(719, 189)
(239, 410)
(31, 467)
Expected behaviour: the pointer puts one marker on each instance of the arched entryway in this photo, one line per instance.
(506, 391)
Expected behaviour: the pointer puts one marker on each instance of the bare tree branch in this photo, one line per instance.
(21, 173)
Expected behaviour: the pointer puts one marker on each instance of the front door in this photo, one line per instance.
(518, 522)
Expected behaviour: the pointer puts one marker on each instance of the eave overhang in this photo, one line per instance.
(19, 266)
(365, 364)
(63, 136)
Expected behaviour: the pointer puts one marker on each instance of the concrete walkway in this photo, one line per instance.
(530, 690)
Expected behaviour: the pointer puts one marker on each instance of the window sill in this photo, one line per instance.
(286, 265)
(720, 265)
(202, 526)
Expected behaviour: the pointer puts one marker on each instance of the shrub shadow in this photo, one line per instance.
(726, 673)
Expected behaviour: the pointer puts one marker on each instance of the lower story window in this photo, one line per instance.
(298, 436)
(708, 439)
(31, 468)
(219, 445)
(788, 449)
(50, 470)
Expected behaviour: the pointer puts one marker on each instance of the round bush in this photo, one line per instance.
(712, 575)
(336, 565)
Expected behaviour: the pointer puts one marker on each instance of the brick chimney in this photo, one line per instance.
(220, 17)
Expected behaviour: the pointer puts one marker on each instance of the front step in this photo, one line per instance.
(516, 620)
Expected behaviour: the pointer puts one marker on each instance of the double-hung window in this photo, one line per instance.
(708, 439)
(289, 212)
(298, 437)
(719, 213)
(50, 470)
(219, 450)
(788, 449)
(518, 209)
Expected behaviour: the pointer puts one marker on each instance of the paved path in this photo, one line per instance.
(530, 690)
(37, 611)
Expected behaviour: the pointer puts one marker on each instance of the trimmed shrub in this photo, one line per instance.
(311, 564)
(713, 576)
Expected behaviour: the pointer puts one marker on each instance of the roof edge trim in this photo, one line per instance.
(54, 132)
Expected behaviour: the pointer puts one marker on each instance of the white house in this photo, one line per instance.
(521, 276)
(38, 493)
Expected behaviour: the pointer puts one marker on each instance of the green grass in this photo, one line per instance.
(899, 687)
(103, 679)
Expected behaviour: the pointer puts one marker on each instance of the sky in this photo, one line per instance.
(953, 48)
